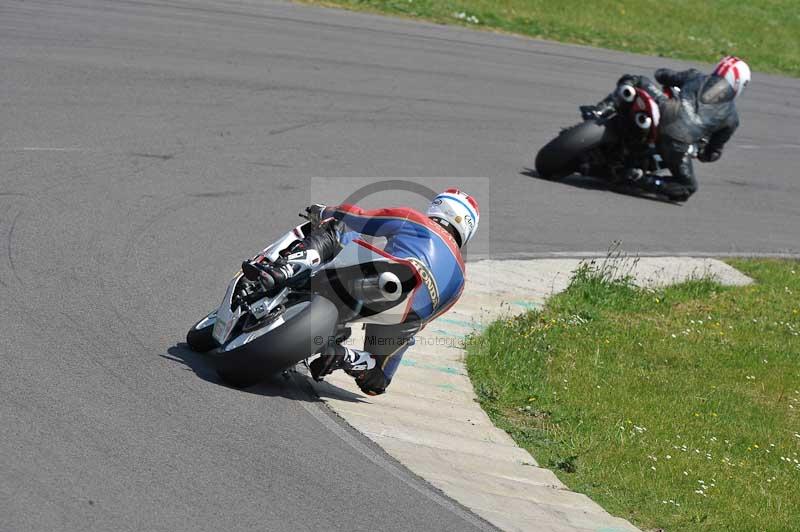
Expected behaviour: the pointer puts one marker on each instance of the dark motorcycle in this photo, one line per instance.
(606, 145)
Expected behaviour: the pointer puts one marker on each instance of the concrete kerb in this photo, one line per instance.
(431, 422)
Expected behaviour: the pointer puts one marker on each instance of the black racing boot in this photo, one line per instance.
(333, 358)
(677, 192)
(353, 361)
(271, 275)
(325, 365)
(275, 274)
(672, 190)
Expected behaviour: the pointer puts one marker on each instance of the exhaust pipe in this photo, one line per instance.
(384, 287)
(643, 121)
(627, 93)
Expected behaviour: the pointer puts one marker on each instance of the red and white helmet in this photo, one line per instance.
(457, 209)
(735, 71)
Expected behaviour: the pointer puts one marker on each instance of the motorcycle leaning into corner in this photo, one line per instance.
(256, 332)
(614, 145)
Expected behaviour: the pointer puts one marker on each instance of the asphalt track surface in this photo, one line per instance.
(146, 147)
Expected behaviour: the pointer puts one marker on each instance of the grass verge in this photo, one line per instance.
(764, 32)
(677, 409)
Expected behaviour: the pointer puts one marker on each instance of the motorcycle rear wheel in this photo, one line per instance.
(561, 156)
(308, 326)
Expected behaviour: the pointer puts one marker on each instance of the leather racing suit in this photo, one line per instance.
(413, 238)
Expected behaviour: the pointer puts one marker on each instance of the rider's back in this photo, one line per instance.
(412, 236)
(704, 107)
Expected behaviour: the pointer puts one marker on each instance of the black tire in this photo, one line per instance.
(308, 329)
(560, 157)
(200, 340)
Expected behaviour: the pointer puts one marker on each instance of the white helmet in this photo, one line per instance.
(735, 72)
(458, 210)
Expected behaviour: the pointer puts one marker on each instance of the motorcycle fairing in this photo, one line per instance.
(225, 318)
(357, 256)
(272, 252)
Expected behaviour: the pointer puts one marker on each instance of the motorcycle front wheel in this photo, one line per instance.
(199, 337)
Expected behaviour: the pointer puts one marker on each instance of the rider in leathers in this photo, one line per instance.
(703, 109)
(429, 243)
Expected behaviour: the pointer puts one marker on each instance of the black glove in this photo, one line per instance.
(589, 112)
(604, 108)
(372, 382)
(314, 213)
(709, 155)
(629, 79)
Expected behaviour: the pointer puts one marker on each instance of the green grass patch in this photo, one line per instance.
(677, 408)
(764, 32)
